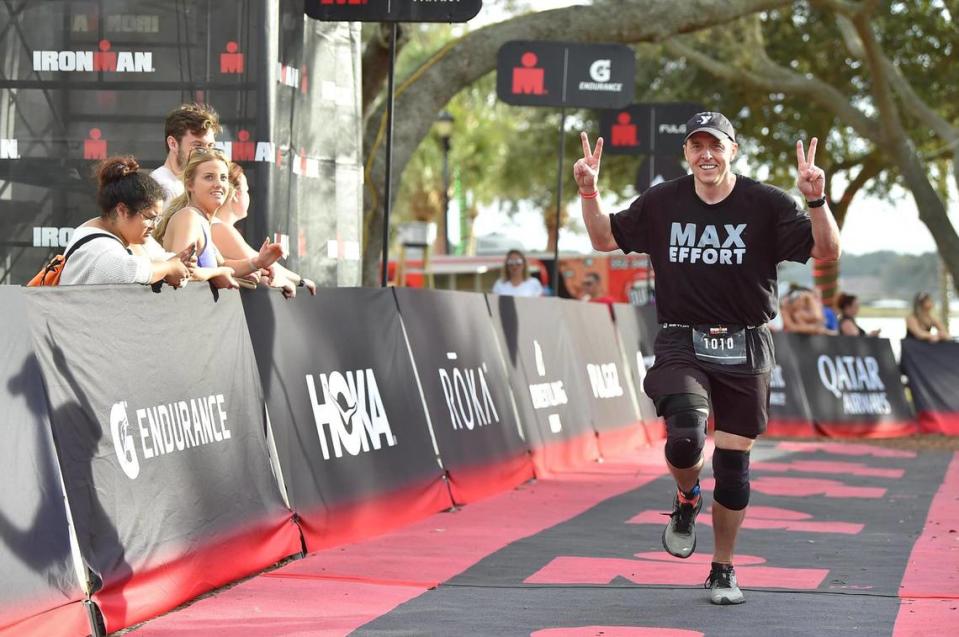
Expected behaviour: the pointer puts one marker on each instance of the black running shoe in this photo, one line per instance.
(723, 589)
(679, 536)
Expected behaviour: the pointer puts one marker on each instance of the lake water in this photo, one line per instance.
(895, 328)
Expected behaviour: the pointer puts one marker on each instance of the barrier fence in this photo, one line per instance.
(162, 445)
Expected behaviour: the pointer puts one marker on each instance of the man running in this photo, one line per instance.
(714, 239)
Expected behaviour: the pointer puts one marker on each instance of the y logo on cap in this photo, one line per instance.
(703, 119)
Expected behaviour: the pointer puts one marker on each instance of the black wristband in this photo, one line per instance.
(302, 283)
(817, 203)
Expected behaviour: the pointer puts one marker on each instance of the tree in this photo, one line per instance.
(467, 59)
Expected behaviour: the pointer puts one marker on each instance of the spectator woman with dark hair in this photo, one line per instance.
(130, 203)
(516, 280)
(231, 243)
(921, 323)
(848, 305)
(186, 222)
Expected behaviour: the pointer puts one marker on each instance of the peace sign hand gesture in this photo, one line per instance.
(811, 179)
(586, 169)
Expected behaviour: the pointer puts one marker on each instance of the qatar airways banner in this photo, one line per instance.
(611, 404)
(853, 387)
(157, 414)
(351, 432)
(789, 413)
(39, 591)
(550, 386)
(466, 390)
(933, 371)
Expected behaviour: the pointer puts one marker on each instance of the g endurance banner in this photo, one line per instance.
(611, 404)
(158, 420)
(933, 371)
(852, 385)
(788, 408)
(350, 428)
(549, 385)
(466, 390)
(39, 591)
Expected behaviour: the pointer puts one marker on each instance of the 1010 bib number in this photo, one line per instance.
(720, 344)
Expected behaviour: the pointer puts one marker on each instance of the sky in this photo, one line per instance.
(871, 224)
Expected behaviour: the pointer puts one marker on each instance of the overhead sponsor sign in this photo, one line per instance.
(103, 60)
(39, 586)
(541, 73)
(466, 390)
(656, 169)
(788, 408)
(852, 385)
(611, 404)
(549, 385)
(351, 432)
(161, 441)
(648, 128)
(933, 371)
(393, 10)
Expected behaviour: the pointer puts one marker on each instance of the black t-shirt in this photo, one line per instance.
(715, 263)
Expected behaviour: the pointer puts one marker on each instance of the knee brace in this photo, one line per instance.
(731, 471)
(685, 416)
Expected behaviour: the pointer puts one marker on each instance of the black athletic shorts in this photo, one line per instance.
(739, 393)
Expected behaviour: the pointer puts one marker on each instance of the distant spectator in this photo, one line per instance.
(516, 280)
(231, 243)
(802, 312)
(921, 323)
(848, 310)
(188, 127)
(592, 290)
(129, 203)
(186, 222)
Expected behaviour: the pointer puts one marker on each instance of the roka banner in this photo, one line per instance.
(351, 433)
(611, 403)
(39, 591)
(393, 10)
(852, 385)
(542, 73)
(158, 421)
(548, 383)
(933, 371)
(788, 408)
(466, 390)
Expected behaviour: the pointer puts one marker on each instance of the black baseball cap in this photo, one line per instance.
(715, 124)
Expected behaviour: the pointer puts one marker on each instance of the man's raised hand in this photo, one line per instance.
(811, 180)
(586, 169)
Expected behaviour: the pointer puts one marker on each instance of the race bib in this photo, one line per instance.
(720, 344)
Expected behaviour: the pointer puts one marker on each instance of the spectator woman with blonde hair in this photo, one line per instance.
(130, 202)
(186, 222)
(231, 243)
(921, 323)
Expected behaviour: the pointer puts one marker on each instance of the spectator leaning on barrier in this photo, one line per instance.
(802, 312)
(516, 280)
(186, 222)
(231, 243)
(848, 310)
(714, 239)
(921, 322)
(129, 202)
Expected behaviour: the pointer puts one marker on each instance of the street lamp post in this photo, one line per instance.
(444, 128)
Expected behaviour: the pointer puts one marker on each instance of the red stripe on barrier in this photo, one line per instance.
(789, 427)
(196, 570)
(867, 429)
(64, 621)
(566, 455)
(345, 523)
(930, 586)
(470, 484)
(939, 422)
(616, 442)
(655, 429)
